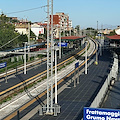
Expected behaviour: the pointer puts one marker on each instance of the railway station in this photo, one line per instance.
(59, 65)
(73, 41)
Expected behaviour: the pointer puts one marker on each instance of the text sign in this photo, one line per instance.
(101, 114)
(76, 65)
(2, 65)
(99, 34)
(63, 44)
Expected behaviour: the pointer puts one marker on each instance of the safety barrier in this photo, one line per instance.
(111, 77)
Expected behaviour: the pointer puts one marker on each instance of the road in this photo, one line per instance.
(112, 99)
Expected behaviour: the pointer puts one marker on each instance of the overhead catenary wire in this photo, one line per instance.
(26, 10)
(9, 41)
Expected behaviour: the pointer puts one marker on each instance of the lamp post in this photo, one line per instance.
(25, 57)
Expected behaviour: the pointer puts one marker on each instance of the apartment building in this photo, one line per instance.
(61, 20)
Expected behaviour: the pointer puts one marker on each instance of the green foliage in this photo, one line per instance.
(78, 28)
(32, 34)
(90, 28)
(7, 33)
(43, 36)
(112, 33)
(91, 31)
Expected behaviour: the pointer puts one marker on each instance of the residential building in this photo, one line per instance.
(70, 24)
(37, 29)
(61, 20)
(107, 31)
(21, 28)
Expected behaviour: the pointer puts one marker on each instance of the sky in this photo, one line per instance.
(85, 13)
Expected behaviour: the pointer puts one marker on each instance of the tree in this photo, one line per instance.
(112, 33)
(43, 36)
(91, 31)
(78, 29)
(7, 33)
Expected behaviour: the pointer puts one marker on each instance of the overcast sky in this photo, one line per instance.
(85, 13)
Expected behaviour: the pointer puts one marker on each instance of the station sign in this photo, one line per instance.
(63, 44)
(99, 34)
(2, 65)
(76, 65)
(101, 114)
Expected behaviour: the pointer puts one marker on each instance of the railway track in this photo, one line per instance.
(28, 82)
(61, 79)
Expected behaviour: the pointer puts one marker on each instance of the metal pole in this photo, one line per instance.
(16, 69)
(60, 41)
(75, 78)
(78, 76)
(55, 76)
(6, 76)
(64, 28)
(25, 57)
(48, 20)
(97, 28)
(28, 40)
(52, 50)
(96, 56)
(79, 30)
(86, 60)
(18, 115)
(100, 49)
(70, 30)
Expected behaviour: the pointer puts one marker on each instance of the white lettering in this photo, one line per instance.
(96, 112)
(94, 117)
(109, 118)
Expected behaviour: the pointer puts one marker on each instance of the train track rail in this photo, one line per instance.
(19, 87)
(43, 93)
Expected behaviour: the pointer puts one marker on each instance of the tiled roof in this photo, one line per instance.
(71, 37)
(115, 37)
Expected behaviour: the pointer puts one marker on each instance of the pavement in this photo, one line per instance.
(73, 99)
(112, 99)
(20, 77)
(10, 106)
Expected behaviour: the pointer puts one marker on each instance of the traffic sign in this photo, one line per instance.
(63, 44)
(101, 114)
(2, 65)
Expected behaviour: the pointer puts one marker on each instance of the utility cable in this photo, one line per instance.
(9, 41)
(26, 10)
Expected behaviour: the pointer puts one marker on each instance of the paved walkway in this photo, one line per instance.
(10, 106)
(113, 97)
(73, 99)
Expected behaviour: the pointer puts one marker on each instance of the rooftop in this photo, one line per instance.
(115, 37)
(71, 37)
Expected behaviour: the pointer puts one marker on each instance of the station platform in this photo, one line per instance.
(73, 99)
